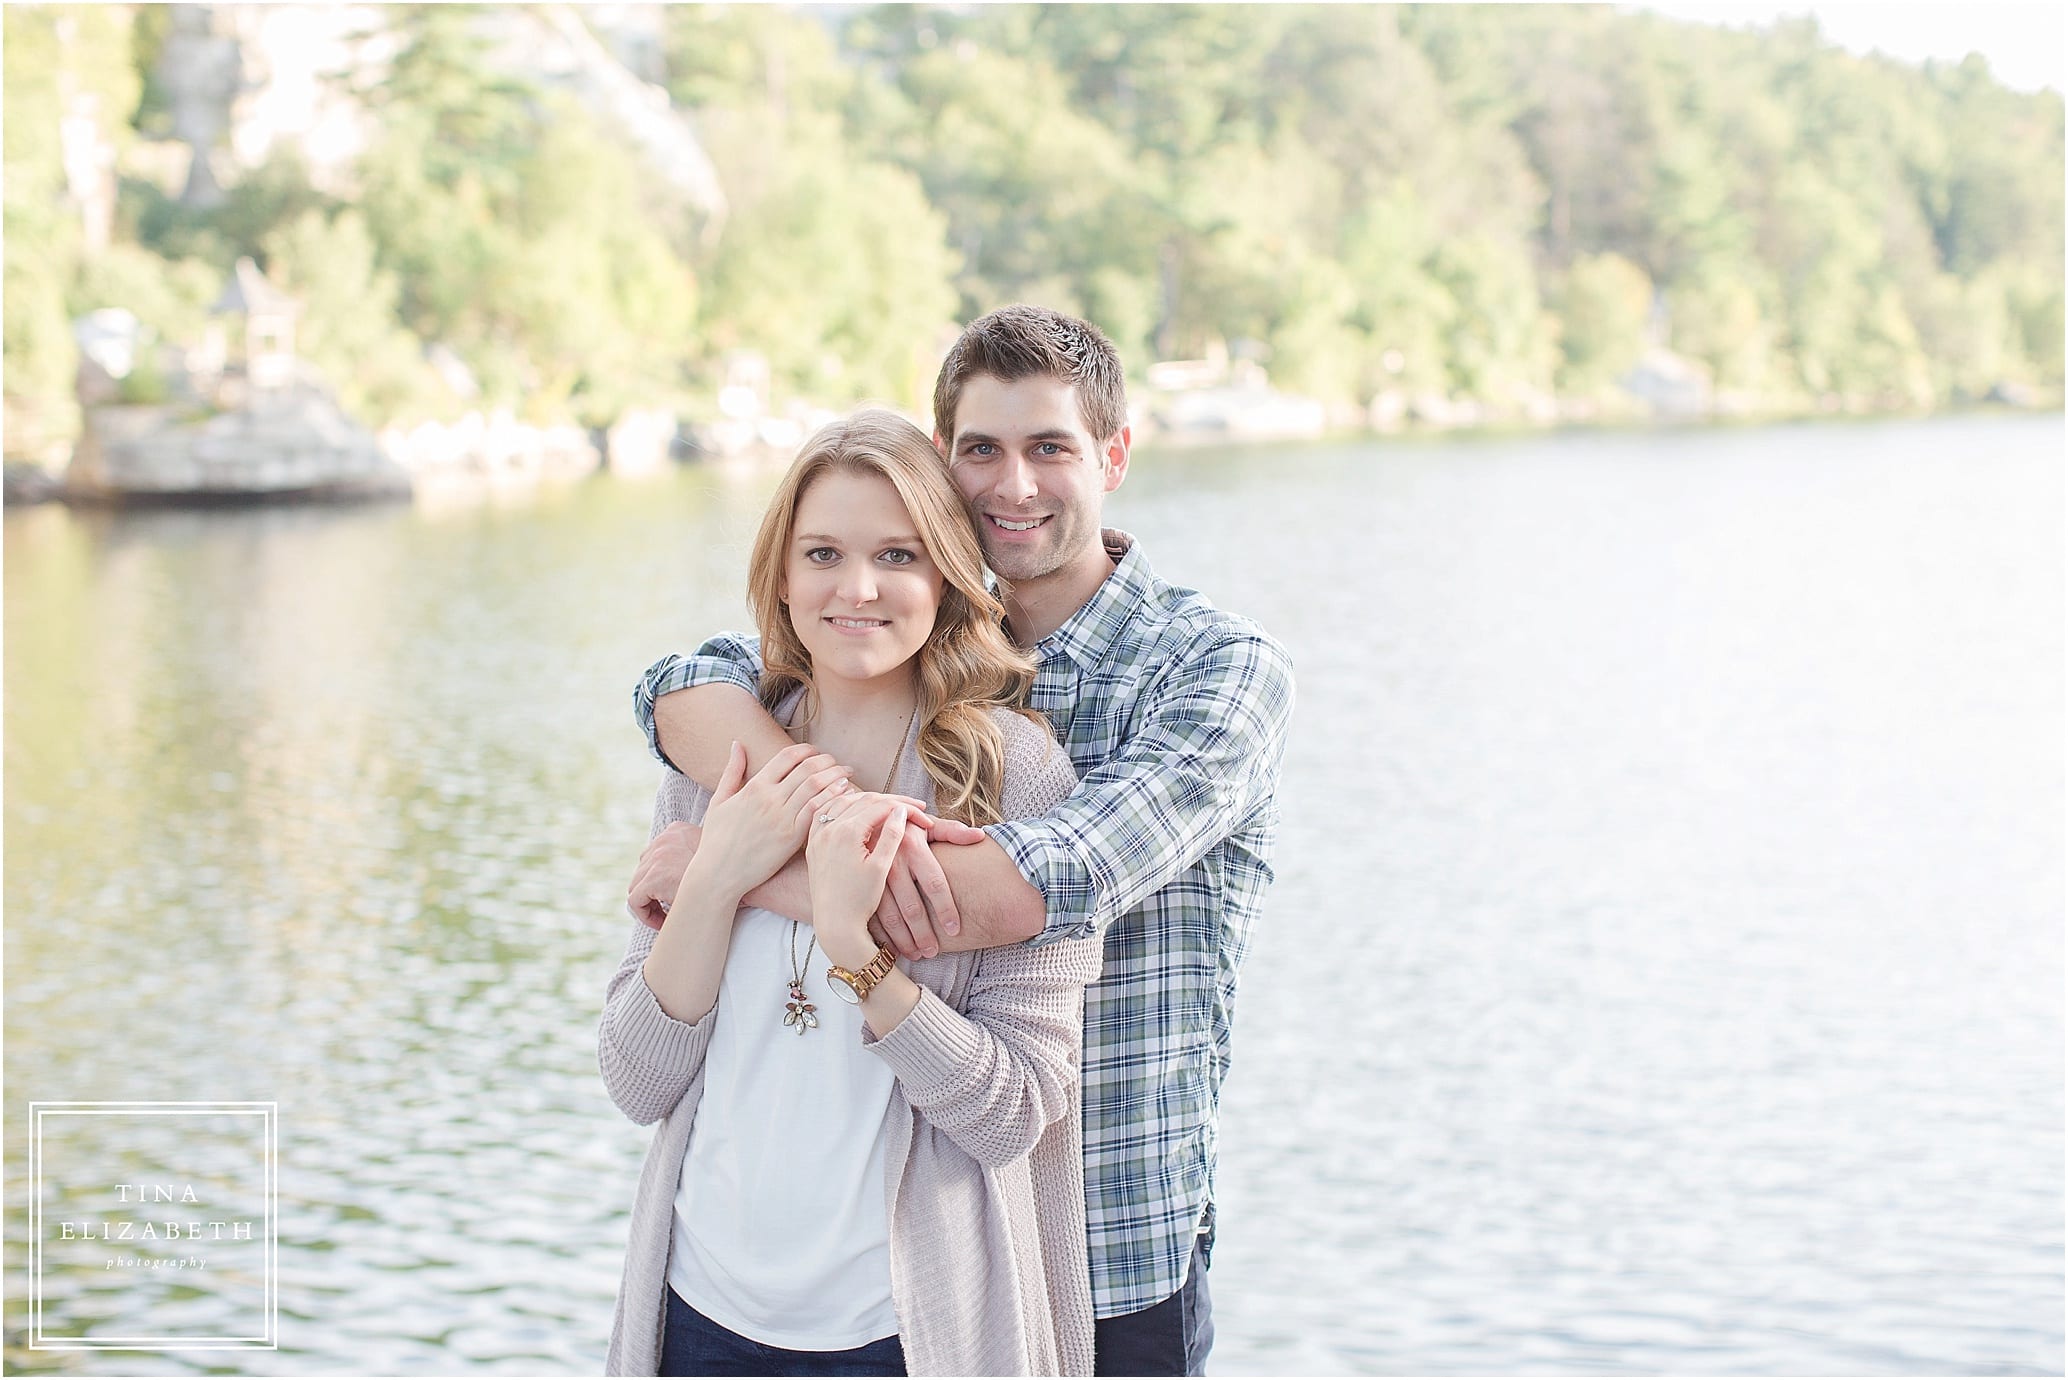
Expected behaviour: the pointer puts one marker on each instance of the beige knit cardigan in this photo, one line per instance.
(984, 1175)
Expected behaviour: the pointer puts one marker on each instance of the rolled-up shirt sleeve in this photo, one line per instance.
(730, 658)
(1203, 757)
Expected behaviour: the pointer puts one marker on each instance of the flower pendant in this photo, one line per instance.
(799, 1012)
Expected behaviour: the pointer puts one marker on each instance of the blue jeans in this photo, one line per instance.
(694, 1345)
(1167, 1338)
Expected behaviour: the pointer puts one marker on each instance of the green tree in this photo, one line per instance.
(1501, 344)
(1403, 310)
(1718, 317)
(170, 298)
(1603, 303)
(62, 62)
(839, 274)
(348, 328)
(522, 235)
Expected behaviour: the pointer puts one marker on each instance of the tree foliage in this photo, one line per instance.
(1488, 202)
(63, 63)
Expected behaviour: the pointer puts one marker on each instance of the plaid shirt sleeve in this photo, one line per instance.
(727, 659)
(1203, 756)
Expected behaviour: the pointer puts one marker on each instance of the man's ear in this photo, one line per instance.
(1116, 453)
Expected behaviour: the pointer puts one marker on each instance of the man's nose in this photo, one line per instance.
(1015, 480)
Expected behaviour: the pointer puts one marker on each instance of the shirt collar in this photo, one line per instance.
(1087, 636)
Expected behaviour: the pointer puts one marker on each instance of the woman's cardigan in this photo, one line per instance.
(984, 1164)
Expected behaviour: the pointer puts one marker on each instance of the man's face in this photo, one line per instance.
(1034, 478)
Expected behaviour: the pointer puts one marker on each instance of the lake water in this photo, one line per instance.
(1663, 975)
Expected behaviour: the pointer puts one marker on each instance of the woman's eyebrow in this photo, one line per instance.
(904, 539)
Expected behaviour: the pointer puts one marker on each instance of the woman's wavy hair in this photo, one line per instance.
(967, 664)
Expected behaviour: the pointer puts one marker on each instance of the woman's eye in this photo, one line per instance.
(897, 555)
(819, 555)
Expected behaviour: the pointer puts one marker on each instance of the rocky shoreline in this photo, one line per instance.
(298, 447)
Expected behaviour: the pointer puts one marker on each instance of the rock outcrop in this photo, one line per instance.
(295, 444)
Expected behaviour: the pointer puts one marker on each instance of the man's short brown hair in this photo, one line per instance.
(1020, 342)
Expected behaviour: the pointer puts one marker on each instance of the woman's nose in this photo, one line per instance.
(858, 585)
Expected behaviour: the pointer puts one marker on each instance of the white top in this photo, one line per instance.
(781, 1229)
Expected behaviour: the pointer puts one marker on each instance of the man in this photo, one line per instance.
(1174, 714)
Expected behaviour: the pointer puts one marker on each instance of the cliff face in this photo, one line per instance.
(556, 45)
(241, 79)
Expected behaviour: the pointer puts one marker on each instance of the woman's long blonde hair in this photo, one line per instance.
(967, 664)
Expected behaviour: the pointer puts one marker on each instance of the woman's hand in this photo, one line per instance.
(754, 825)
(849, 852)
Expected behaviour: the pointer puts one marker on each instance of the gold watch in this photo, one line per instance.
(853, 987)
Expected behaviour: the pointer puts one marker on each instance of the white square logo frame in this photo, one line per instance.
(266, 1116)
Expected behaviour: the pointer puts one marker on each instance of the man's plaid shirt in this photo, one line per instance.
(1175, 715)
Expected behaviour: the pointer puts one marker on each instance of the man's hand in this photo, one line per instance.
(942, 829)
(659, 874)
(849, 853)
(917, 907)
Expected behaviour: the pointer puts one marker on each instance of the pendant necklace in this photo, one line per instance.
(798, 1011)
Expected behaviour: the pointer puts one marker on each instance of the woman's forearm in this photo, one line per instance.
(889, 1002)
(996, 1075)
(688, 956)
(846, 941)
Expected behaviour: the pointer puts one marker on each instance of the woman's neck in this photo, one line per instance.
(862, 725)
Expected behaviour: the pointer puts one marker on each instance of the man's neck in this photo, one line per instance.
(1036, 608)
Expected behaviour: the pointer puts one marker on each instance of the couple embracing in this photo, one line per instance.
(941, 917)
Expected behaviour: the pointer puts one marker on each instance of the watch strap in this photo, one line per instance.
(864, 982)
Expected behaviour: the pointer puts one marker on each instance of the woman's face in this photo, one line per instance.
(861, 587)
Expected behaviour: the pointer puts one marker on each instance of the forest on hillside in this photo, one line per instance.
(1484, 202)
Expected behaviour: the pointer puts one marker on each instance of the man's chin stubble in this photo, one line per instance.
(1022, 574)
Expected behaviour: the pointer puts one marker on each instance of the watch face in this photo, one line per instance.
(842, 990)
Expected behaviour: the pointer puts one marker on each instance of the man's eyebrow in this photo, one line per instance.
(1054, 433)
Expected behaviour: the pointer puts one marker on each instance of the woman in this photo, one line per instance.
(861, 1168)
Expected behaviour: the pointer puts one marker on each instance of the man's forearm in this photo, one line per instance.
(998, 905)
(698, 726)
(787, 893)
